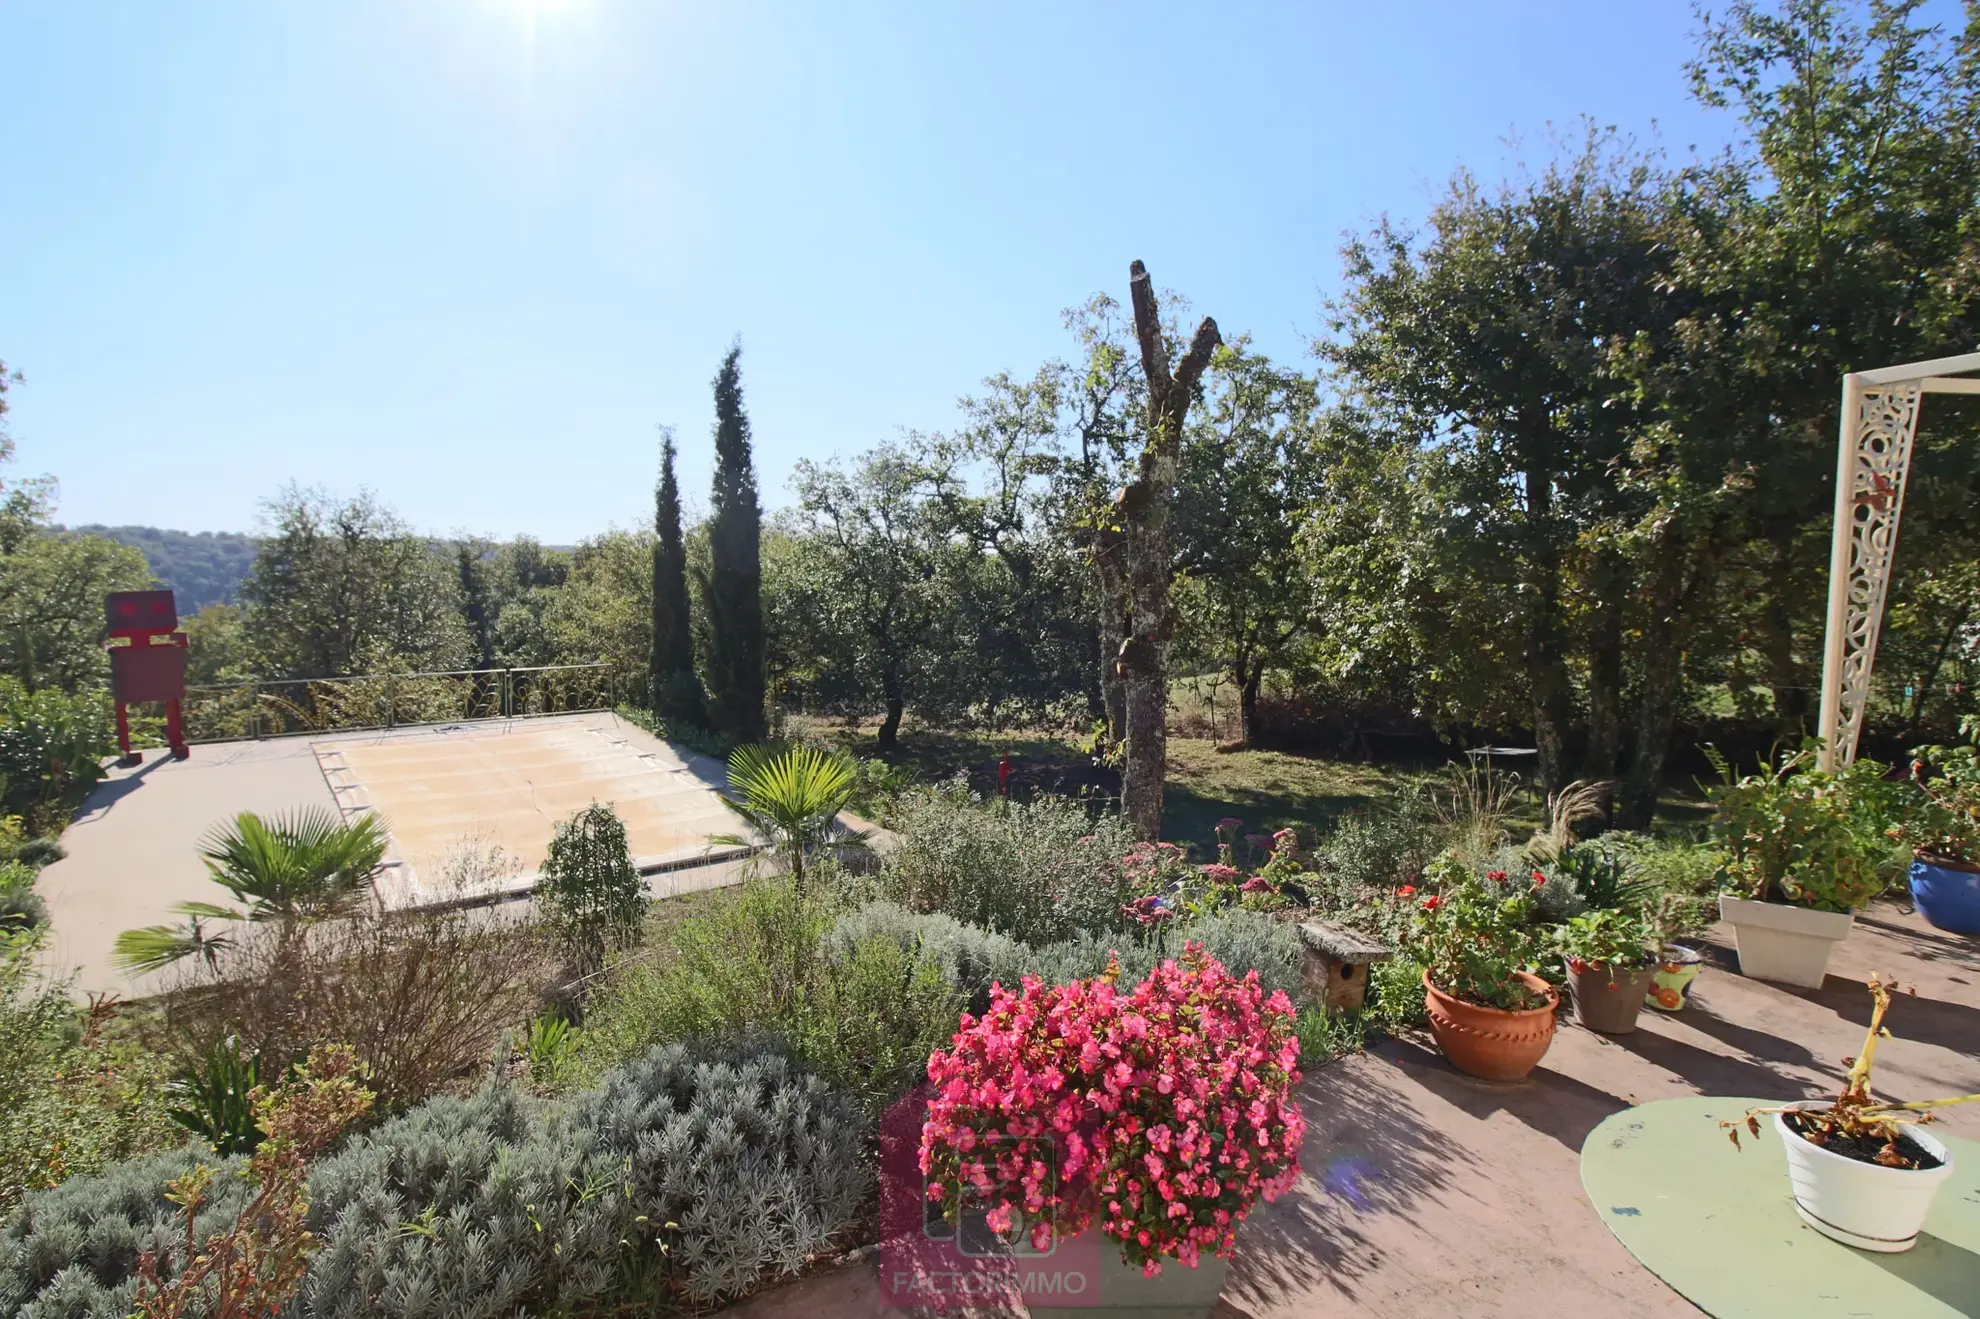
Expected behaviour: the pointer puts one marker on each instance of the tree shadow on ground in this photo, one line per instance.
(1366, 1155)
(1758, 1043)
(1928, 945)
(1953, 1026)
(1725, 1073)
(1548, 1101)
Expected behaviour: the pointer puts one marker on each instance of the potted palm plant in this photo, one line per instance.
(1863, 1172)
(1489, 1013)
(1942, 829)
(1611, 958)
(1796, 867)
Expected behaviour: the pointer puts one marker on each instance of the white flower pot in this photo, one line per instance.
(1865, 1205)
(1784, 943)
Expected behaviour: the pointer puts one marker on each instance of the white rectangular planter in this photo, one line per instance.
(1783, 943)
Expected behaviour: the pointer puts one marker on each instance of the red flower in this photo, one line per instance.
(1406, 891)
(1538, 879)
(1432, 902)
(1496, 876)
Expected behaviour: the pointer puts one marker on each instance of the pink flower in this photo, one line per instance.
(1257, 884)
(1220, 873)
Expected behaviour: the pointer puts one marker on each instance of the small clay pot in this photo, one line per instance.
(1606, 999)
(1492, 1043)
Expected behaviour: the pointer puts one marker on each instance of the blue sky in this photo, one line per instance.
(470, 252)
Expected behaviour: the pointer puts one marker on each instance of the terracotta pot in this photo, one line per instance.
(1490, 1042)
(1606, 999)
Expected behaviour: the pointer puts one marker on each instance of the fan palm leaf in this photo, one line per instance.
(305, 865)
(789, 801)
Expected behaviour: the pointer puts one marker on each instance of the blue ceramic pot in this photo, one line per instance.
(1948, 898)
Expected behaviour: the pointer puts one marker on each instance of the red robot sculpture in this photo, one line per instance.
(147, 663)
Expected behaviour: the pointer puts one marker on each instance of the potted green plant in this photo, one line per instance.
(1863, 1173)
(1611, 959)
(1489, 1013)
(1796, 868)
(1942, 829)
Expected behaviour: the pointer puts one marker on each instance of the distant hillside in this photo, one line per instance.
(203, 567)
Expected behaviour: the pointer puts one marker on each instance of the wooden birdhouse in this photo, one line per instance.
(1335, 972)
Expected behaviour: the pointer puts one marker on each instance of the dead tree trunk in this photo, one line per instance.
(1142, 513)
(1110, 563)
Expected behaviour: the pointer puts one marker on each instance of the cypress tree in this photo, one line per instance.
(735, 594)
(673, 691)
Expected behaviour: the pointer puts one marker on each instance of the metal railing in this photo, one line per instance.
(282, 707)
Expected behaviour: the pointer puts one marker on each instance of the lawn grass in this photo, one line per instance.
(1268, 790)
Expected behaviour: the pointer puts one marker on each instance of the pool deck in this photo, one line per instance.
(133, 847)
(1430, 1195)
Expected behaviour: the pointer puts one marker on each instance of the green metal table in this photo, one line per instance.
(1718, 1224)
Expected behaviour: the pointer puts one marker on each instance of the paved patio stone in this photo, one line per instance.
(1430, 1195)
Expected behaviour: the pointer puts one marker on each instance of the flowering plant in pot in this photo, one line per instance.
(1490, 1014)
(1863, 1172)
(1796, 867)
(1611, 959)
(1156, 1116)
(1942, 829)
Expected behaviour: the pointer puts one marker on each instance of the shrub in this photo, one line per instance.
(1250, 941)
(1160, 1115)
(591, 897)
(875, 1013)
(21, 908)
(460, 1207)
(700, 1175)
(971, 958)
(863, 1006)
(1375, 851)
(788, 801)
(1791, 835)
(742, 1169)
(75, 1094)
(52, 746)
(744, 963)
(1037, 871)
(424, 999)
(253, 1265)
(72, 1252)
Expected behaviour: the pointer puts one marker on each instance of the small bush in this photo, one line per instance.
(677, 1173)
(21, 908)
(423, 999)
(52, 746)
(76, 1094)
(591, 896)
(971, 958)
(72, 1252)
(743, 964)
(1250, 941)
(1395, 993)
(1039, 871)
(742, 1169)
(874, 1015)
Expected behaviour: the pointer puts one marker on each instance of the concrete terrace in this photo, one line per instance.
(133, 848)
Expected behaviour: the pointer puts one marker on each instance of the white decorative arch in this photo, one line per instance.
(1873, 460)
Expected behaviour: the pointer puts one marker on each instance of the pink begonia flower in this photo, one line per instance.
(1191, 1052)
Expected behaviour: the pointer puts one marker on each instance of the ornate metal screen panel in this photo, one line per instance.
(1886, 420)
